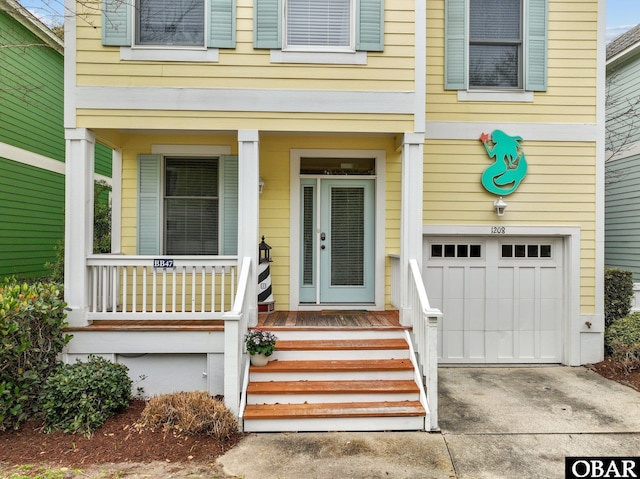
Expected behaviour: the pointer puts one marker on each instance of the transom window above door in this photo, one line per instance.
(319, 25)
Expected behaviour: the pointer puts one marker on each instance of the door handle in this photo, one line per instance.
(323, 237)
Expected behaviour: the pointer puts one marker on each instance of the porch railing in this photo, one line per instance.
(423, 320)
(235, 326)
(147, 287)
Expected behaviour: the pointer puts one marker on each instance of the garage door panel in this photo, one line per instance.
(454, 321)
(526, 316)
(548, 314)
(434, 283)
(506, 283)
(503, 306)
(548, 287)
(505, 314)
(453, 344)
(474, 345)
(476, 285)
(475, 314)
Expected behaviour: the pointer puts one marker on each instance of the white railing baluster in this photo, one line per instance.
(134, 291)
(164, 290)
(184, 288)
(105, 288)
(193, 289)
(94, 289)
(173, 291)
(114, 288)
(124, 288)
(223, 284)
(154, 289)
(203, 296)
(144, 289)
(213, 289)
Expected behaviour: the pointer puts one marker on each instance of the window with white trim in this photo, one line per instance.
(496, 45)
(185, 24)
(319, 25)
(170, 22)
(187, 205)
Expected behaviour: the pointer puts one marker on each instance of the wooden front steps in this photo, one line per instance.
(357, 380)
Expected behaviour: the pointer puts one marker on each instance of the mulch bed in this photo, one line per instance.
(116, 441)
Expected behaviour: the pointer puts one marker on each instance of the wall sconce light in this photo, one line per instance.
(260, 185)
(499, 205)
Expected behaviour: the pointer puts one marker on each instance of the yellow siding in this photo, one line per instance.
(223, 120)
(275, 199)
(246, 67)
(559, 190)
(571, 94)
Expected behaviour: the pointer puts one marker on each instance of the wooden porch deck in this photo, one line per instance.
(276, 319)
(329, 319)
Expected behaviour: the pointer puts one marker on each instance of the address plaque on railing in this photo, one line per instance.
(163, 263)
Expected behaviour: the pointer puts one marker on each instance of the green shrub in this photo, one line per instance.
(193, 412)
(31, 338)
(622, 342)
(80, 397)
(618, 292)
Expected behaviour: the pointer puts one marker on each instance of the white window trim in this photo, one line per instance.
(512, 95)
(310, 49)
(169, 54)
(519, 96)
(337, 58)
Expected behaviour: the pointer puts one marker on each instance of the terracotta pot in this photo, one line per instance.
(259, 359)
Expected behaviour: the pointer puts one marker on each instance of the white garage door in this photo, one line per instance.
(501, 298)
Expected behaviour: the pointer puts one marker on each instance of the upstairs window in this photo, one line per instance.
(170, 22)
(319, 24)
(496, 45)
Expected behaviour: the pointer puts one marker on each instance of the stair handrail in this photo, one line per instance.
(235, 326)
(425, 332)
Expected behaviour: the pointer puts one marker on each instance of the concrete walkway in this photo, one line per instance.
(495, 423)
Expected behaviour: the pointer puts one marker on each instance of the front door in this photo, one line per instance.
(337, 240)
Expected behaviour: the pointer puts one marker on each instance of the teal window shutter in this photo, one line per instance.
(229, 191)
(536, 45)
(222, 21)
(455, 46)
(149, 177)
(370, 25)
(267, 23)
(116, 23)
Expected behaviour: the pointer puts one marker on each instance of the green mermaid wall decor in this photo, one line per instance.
(510, 167)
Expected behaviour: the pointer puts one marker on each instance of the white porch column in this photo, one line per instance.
(411, 212)
(248, 212)
(78, 231)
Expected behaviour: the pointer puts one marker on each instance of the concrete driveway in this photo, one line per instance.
(512, 422)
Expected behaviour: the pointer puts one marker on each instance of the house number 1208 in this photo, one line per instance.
(498, 230)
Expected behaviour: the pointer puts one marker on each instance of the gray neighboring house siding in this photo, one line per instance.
(622, 168)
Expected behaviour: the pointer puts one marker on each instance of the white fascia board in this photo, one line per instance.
(459, 130)
(30, 158)
(231, 99)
